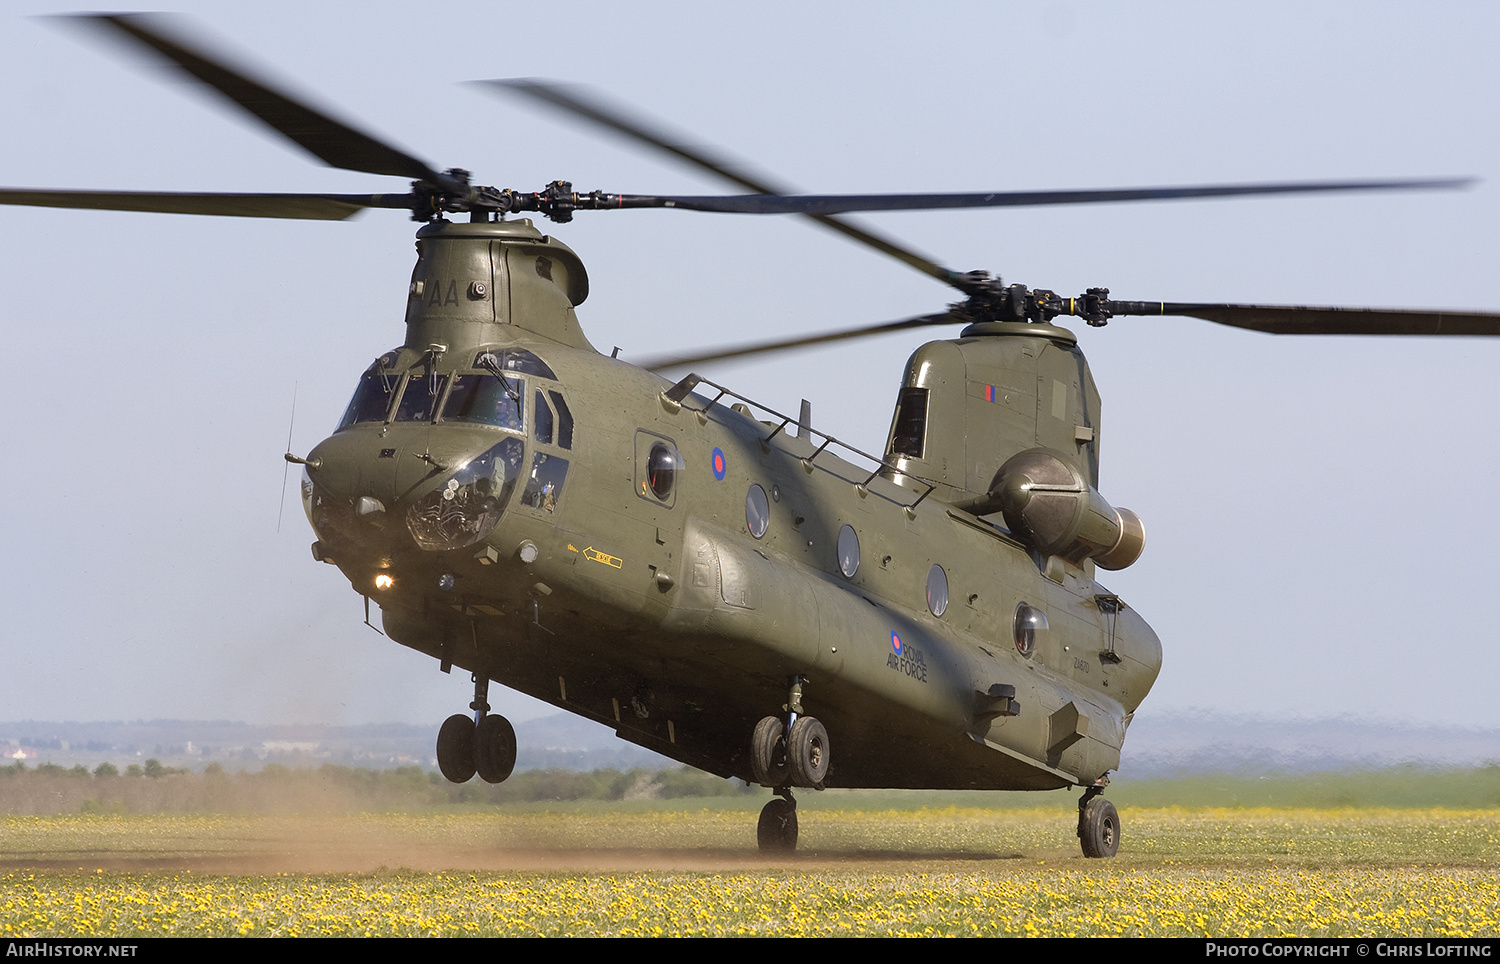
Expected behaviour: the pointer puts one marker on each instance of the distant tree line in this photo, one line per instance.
(151, 768)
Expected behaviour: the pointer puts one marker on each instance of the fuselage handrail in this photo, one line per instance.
(682, 391)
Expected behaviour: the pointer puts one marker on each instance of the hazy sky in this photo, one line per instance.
(1319, 512)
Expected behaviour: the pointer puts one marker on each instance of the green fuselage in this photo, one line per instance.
(552, 519)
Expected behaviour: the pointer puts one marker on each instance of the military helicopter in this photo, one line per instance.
(715, 579)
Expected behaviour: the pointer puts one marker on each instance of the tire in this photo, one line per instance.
(1099, 828)
(494, 749)
(455, 748)
(777, 831)
(807, 752)
(768, 757)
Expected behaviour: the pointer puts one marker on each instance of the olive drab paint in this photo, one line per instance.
(647, 602)
(472, 276)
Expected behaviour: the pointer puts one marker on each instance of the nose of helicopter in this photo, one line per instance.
(435, 487)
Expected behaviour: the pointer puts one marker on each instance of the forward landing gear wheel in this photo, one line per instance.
(777, 830)
(494, 749)
(1099, 828)
(807, 752)
(455, 748)
(768, 756)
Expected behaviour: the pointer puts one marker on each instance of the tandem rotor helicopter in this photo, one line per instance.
(717, 580)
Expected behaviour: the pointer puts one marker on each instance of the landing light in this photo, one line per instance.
(383, 581)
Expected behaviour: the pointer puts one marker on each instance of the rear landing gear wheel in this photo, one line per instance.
(768, 756)
(455, 748)
(1098, 827)
(494, 749)
(777, 831)
(807, 752)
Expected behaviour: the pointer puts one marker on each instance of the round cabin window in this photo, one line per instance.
(1030, 624)
(848, 551)
(662, 466)
(937, 590)
(757, 511)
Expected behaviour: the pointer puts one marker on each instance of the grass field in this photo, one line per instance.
(592, 869)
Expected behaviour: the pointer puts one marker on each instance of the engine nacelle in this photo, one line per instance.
(1048, 504)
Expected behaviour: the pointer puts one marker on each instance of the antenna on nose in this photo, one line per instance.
(290, 458)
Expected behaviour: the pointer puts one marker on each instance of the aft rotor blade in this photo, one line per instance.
(576, 102)
(1298, 320)
(762, 348)
(819, 205)
(335, 143)
(312, 207)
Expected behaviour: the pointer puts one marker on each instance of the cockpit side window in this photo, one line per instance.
(544, 487)
(564, 421)
(488, 400)
(543, 419)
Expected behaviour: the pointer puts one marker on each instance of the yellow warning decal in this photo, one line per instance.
(594, 555)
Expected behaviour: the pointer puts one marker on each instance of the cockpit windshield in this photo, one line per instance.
(494, 396)
(372, 399)
(486, 399)
(419, 400)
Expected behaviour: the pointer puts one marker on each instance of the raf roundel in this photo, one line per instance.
(896, 643)
(718, 464)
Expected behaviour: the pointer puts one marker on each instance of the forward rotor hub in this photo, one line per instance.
(991, 300)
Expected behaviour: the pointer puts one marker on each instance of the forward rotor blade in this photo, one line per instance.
(312, 207)
(576, 102)
(684, 361)
(1298, 320)
(331, 141)
(816, 205)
